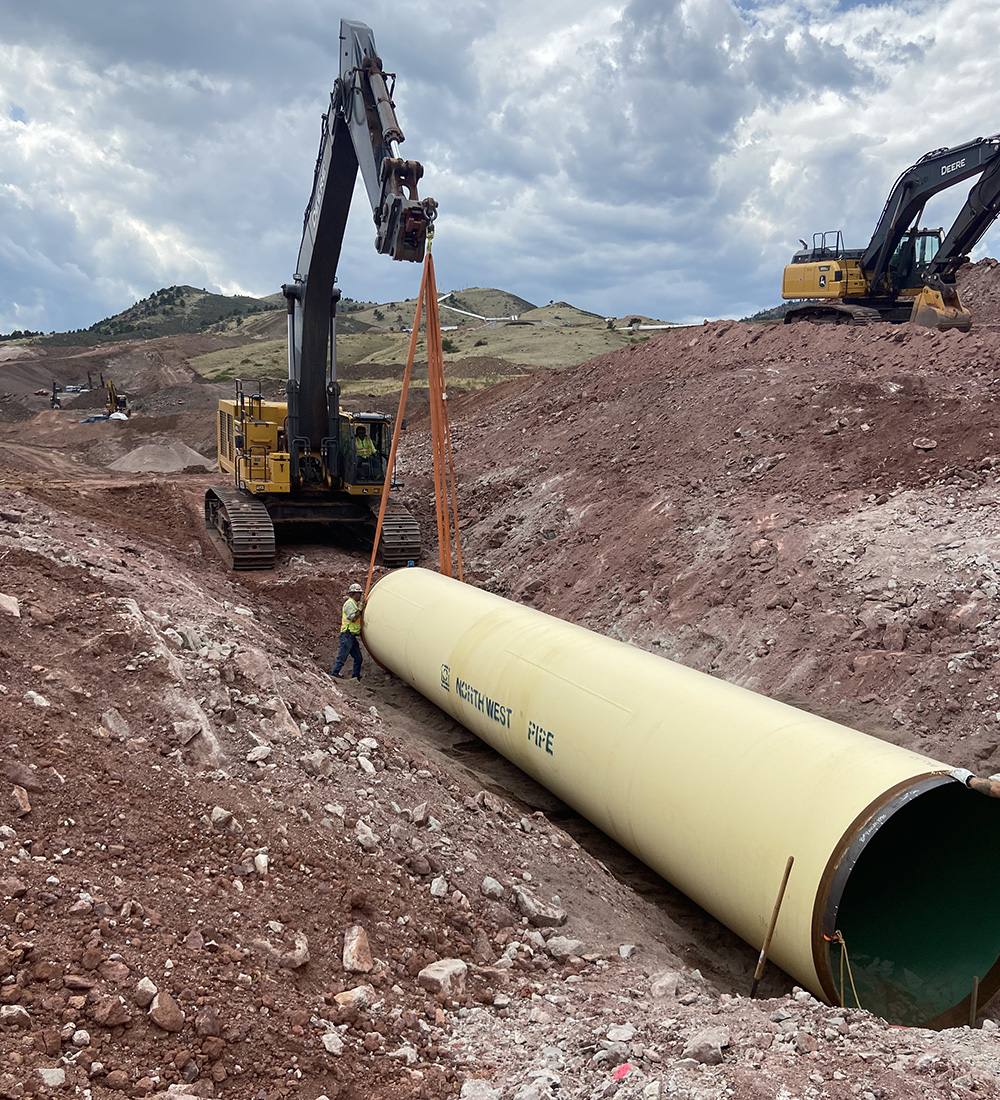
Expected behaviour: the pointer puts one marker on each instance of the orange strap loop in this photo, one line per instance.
(445, 501)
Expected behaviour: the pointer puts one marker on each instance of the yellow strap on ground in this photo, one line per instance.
(845, 959)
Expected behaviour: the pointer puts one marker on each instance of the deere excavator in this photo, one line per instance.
(906, 273)
(305, 459)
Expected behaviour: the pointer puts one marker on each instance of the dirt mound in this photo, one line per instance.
(487, 366)
(165, 400)
(979, 289)
(23, 370)
(162, 458)
(12, 410)
(58, 442)
(10, 352)
(759, 501)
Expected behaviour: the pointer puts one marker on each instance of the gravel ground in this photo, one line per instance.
(226, 874)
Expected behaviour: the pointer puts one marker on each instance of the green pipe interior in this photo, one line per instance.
(920, 911)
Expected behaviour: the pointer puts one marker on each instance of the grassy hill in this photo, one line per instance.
(169, 312)
(480, 323)
(550, 344)
(485, 302)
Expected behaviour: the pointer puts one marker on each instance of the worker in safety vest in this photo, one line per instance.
(350, 629)
(363, 446)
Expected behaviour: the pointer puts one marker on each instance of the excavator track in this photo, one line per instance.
(400, 542)
(834, 314)
(240, 528)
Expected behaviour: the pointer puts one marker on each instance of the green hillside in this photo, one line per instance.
(169, 312)
(477, 322)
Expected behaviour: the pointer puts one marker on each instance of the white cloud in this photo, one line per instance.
(654, 156)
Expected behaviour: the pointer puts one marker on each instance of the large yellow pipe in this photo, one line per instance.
(714, 786)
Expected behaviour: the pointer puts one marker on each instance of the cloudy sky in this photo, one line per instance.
(656, 156)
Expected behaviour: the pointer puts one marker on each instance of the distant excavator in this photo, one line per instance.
(306, 460)
(906, 273)
(116, 403)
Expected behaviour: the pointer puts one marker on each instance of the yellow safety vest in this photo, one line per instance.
(364, 447)
(351, 622)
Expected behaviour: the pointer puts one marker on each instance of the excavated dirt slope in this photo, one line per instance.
(810, 513)
(226, 874)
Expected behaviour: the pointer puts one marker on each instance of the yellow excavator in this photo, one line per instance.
(115, 402)
(905, 273)
(305, 459)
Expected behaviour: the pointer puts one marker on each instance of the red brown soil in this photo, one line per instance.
(808, 512)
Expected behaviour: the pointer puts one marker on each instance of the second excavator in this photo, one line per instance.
(905, 273)
(306, 460)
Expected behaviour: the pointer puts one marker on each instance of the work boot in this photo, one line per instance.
(335, 673)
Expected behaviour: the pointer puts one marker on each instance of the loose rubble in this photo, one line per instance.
(224, 874)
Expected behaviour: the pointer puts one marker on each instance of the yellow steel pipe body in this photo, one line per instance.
(711, 785)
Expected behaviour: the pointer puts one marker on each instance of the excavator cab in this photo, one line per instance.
(934, 298)
(364, 450)
(912, 257)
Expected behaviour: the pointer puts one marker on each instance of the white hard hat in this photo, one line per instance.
(355, 588)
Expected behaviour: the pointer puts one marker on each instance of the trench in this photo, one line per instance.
(891, 849)
(912, 897)
(931, 925)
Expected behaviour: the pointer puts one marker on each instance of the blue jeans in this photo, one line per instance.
(349, 647)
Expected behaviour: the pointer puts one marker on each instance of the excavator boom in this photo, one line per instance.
(360, 133)
(934, 172)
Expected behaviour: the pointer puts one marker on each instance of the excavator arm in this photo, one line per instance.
(935, 172)
(360, 133)
(976, 216)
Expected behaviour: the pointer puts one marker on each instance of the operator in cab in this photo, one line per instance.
(350, 631)
(364, 448)
(362, 444)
